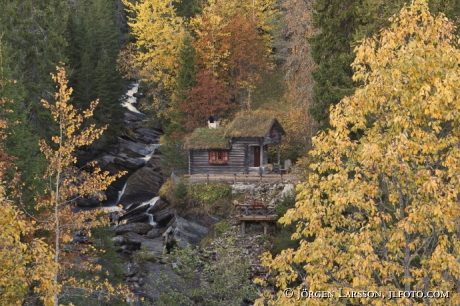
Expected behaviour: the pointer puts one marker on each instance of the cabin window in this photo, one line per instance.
(218, 157)
(272, 133)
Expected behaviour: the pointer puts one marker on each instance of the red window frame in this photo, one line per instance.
(218, 157)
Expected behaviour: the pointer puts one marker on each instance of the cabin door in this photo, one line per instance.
(256, 156)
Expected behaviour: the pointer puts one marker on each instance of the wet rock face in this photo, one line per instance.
(143, 185)
(134, 211)
(162, 212)
(93, 201)
(146, 134)
(183, 231)
(137, 154)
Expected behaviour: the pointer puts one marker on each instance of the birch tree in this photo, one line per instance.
(66, 183)
(159, 34)
(26, 260)
(381, 213)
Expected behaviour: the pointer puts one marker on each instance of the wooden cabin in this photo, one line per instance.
(240, 147)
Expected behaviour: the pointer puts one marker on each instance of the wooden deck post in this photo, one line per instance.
(265, 228)
(207, 178)
(243, 228)
(279, 160)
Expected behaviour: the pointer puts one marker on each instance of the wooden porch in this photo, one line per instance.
(234, 178)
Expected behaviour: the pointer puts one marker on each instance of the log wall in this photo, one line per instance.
(241, 156)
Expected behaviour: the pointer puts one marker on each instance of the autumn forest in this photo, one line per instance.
(368, 94)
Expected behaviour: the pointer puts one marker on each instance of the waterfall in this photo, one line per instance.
(120, 193)
(131, 99)
(112, 209)
(151, 222)
(152, 201)
(151, 149)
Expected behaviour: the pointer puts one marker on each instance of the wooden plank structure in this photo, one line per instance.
(253, 210)
(239, 177)
(241, 147)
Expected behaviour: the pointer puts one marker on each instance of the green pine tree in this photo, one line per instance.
(93, 49)
(188, 8)
(332, 51)
(35, 31)
(21, 142)
(342, 25)
(185, 80)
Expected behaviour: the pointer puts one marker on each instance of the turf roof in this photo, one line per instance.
(244, 125)
(205, 138)
(251, 125)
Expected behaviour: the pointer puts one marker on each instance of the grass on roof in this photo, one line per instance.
(205, 138)
(249, 125)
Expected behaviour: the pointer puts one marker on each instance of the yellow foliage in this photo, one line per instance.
(22, 263)
(25, 261)
(66, 184)
(381, 213)
(159, 35)
(263, 11)
(212, 53)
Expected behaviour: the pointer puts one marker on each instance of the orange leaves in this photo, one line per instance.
(209, 97)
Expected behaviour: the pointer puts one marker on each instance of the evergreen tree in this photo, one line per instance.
(93, 49)
(332, 51)
(187, 8)
(185, 80)
(21, 142)
(341, 25)
(35, 31)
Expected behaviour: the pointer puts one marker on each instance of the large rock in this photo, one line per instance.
(141, 149)
(118, 240)
(153, 246)
(129, 159)
(94, 201)
(135, 211)
(138, 228)
(132, 238)
(148, 135)
(143, 185)
(137, 218)
(186, 232)
(155, 233)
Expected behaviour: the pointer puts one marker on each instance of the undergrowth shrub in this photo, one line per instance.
(199, 198)
(282, 239)
(222, 227)
(209, 193)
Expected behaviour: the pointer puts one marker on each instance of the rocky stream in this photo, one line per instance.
(145, 221)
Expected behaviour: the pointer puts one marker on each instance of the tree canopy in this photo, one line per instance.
(381, 213)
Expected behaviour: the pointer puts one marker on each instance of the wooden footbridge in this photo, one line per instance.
(252, 210)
